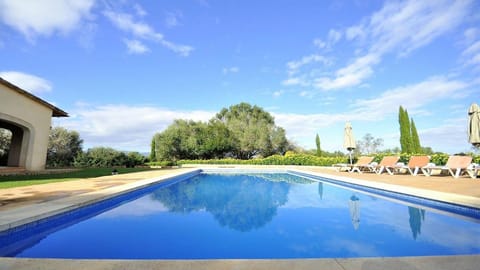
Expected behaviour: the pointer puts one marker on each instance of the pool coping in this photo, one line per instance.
(27, 214)
(428, 263)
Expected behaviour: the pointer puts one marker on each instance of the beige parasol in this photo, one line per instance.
(349, 140)
(474, 125)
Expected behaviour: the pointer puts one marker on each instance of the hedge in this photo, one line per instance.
(300, 159)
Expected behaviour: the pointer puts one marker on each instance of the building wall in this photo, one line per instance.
(34, 119)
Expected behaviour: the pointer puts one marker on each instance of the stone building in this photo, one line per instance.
(28, 118)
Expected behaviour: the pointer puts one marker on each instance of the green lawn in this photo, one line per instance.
(35, 179)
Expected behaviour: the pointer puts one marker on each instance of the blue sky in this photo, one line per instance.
(124, 70)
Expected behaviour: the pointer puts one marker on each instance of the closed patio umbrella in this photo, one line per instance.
(474, 125)
(349, 140)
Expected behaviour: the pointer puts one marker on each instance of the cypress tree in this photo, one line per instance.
(319, 150)
(408, 132)
(153, 156)
(417, 148)
(405, 131)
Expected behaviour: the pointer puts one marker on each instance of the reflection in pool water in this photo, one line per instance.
(255, 216)
(417, 216)
(242, 203)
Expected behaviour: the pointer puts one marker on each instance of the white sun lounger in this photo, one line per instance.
(456, 165)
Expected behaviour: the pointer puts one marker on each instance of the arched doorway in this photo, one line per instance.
(18, 146)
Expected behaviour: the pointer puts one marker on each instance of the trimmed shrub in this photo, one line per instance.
(291, 158)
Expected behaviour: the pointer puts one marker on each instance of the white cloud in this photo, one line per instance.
(124, 127)
(228, 70)
(449, 136)
(350, 75)
(183, 50)
(45, 17)
(471, 55)
(411, 25)
(302, 127)
(278, 93)
(136, 47)
(294, 66)
(126, 23)
(334, 36)
(306, 94)
(296, 81)
(319, 43)
(28, 82)
(432, 89)
(355, 32)
(473, 49)
(399, 28)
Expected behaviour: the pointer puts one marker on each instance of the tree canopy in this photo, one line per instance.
(241, 131)
(63, 146)
(108, 157)
(254, 131)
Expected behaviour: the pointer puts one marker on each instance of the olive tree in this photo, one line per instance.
(63, 146)
(253, 130)
(241, 131)
(192, 140)
(5, 138)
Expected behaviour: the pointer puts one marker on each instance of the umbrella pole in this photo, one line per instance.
(350, 154)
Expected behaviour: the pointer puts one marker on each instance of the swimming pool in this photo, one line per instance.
(249, 215)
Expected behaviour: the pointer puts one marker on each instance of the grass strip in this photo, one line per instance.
(20, 180)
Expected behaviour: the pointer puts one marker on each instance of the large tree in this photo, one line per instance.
(368, 144)
(63, 146)
(192, 140)
(254, 131)
(241, 131)
(218, 140)
(171, 143)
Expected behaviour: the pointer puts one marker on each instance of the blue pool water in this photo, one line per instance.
(247, 216)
